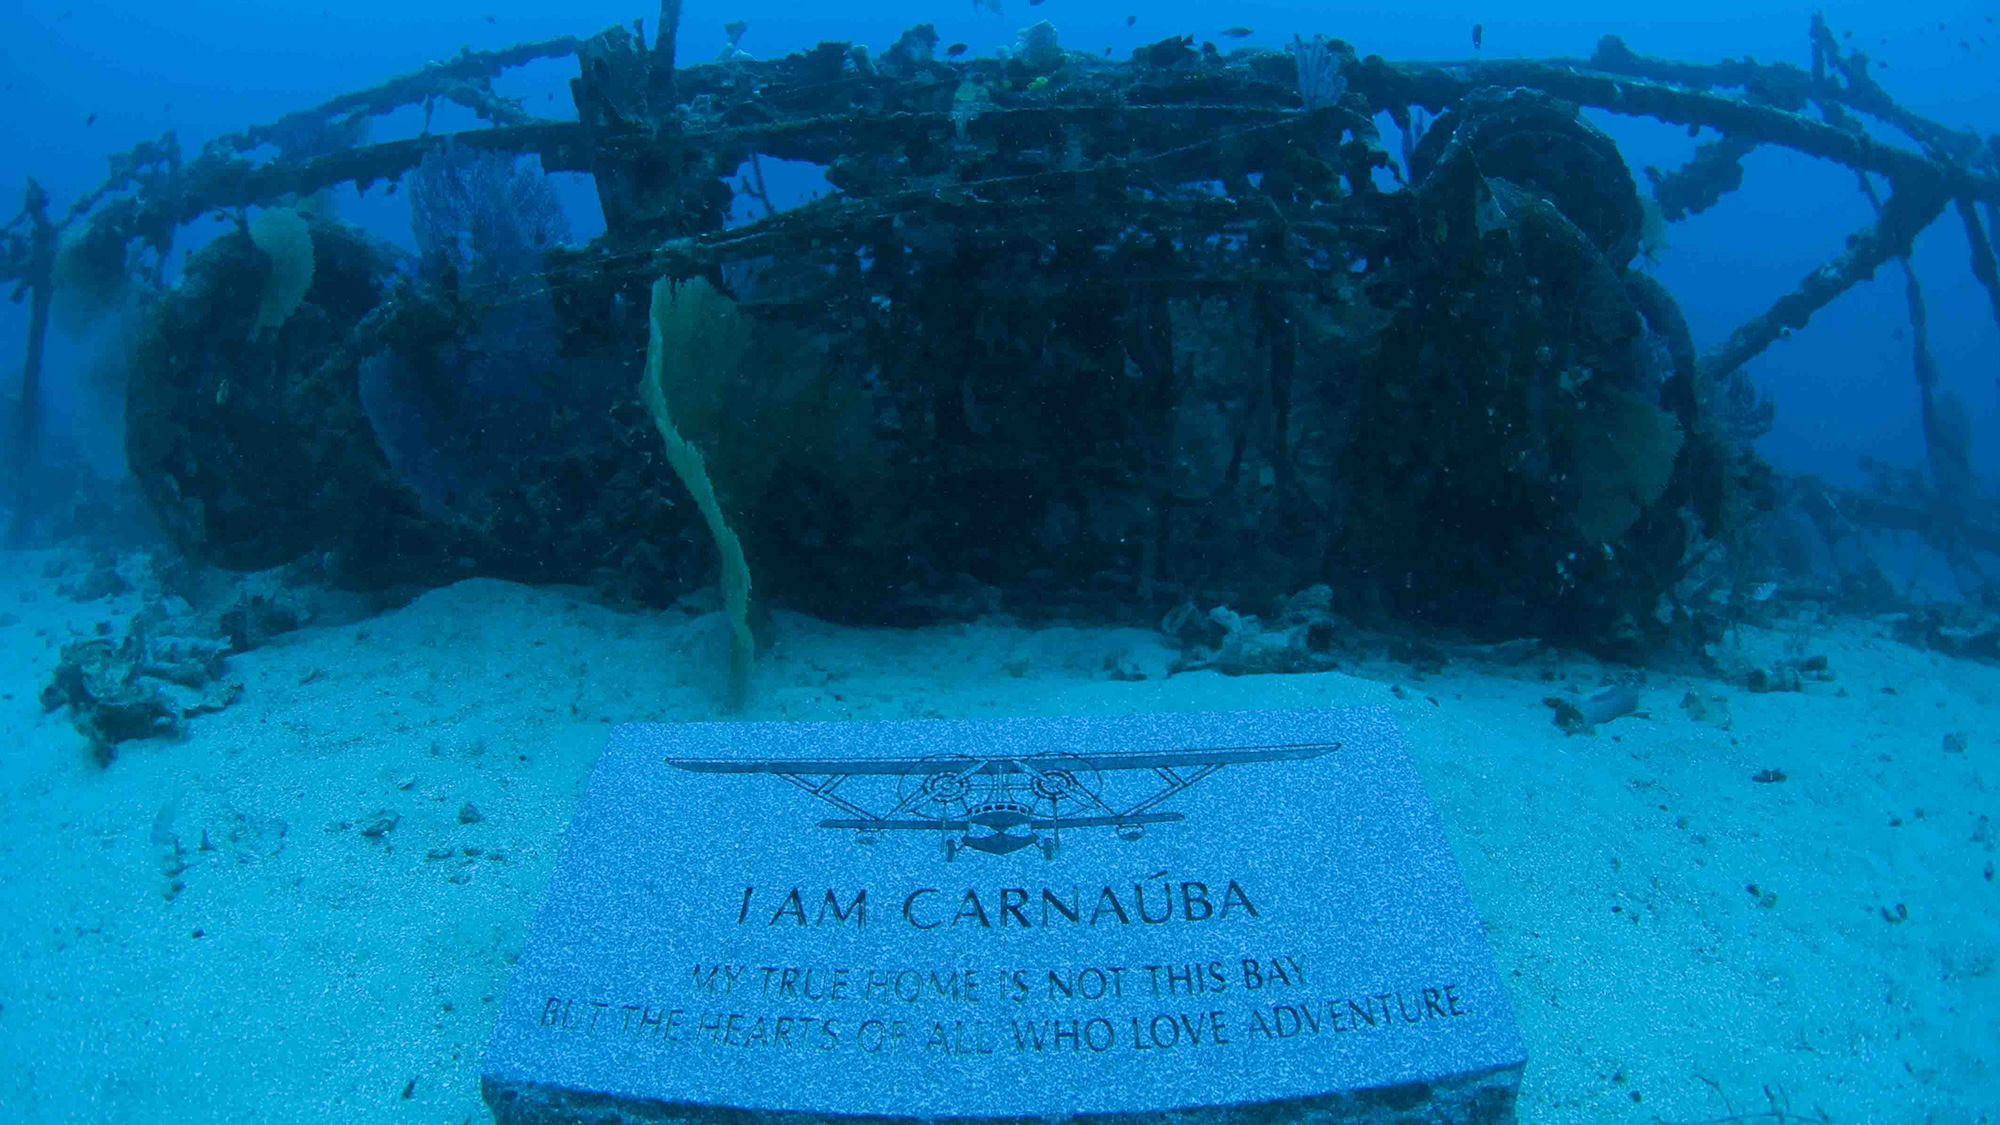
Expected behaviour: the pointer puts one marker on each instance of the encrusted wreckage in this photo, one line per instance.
(1077, 335)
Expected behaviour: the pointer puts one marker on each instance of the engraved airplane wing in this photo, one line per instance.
(1054, 774)
(1169, 759)
(850, 767)
(1039, 824)
(970, 764)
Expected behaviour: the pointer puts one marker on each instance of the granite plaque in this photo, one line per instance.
(1156, 916)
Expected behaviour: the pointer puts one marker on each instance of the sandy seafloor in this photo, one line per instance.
(307, 972)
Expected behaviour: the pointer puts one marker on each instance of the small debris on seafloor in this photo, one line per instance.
(1614, 702)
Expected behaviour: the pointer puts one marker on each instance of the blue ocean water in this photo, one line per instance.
(84, 81)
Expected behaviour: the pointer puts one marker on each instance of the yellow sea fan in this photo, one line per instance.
(1623, 457)
(696, 336)
(284, 237)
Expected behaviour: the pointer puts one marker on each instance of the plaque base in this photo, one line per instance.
(1479, 1099)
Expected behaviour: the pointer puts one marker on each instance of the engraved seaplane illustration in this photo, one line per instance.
(1000, 804)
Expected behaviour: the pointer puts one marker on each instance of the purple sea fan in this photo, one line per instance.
(484, 216)
(1320, 81)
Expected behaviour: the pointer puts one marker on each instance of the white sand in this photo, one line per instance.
(333, 970)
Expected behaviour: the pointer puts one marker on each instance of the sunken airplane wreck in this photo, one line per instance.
(1001, 804)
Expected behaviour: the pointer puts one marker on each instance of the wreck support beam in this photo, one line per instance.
(28, 421)
(1904, 215)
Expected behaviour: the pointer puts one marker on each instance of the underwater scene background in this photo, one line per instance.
(398, 398)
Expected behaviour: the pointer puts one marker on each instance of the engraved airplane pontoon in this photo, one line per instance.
(1002, 803)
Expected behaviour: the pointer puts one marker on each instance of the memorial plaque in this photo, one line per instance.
(1163, 916)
